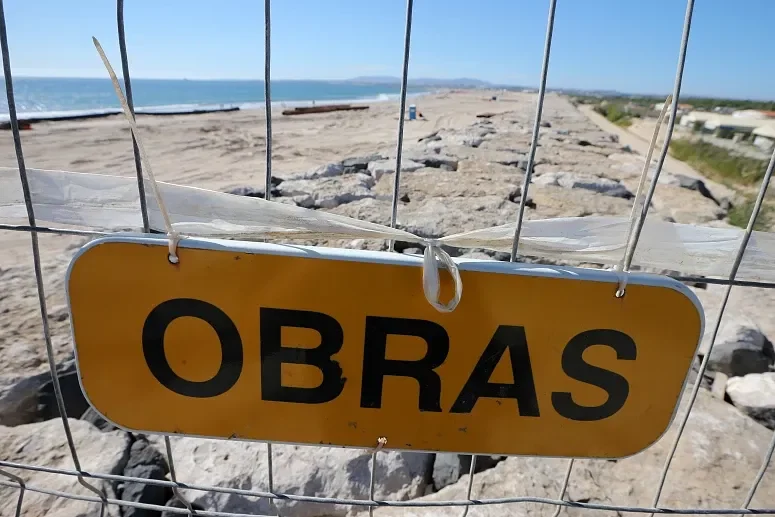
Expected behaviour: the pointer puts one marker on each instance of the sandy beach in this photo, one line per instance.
(223, 151)
(461, 172)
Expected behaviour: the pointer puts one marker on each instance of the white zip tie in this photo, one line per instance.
(623, 268)
(174, 237)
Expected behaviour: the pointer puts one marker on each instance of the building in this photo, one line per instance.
(731, 126)
(764, 137)
(696, 119)
(750, 114)
(682, 108)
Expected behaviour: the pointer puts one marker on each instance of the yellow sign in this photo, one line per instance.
(333, 347)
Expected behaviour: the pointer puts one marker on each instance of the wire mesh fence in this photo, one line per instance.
(14, 474)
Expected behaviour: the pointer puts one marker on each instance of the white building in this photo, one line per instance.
(731, 126)
(750, 114)
(764, 137)
(696, 119)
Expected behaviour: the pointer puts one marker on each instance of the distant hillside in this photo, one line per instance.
(463, 82)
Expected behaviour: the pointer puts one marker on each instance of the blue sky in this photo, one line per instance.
(626, 45)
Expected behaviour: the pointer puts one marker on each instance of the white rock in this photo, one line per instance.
(325, 171)
(44, 443)
(754, 394)
(605, 186)
(328, 192)
(377, 169)
(430, 183)
(320, 471)
(717, 459)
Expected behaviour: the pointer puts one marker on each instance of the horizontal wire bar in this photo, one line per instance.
(723, 281)
(44, 229)
(413, 503)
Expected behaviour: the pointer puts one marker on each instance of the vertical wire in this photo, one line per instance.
(564, 487)
(536, 127)
(269, 468)
(760, 474)
(130, 102)
(372, 479)
(470, 488)
(268, 104)
(17, 142)
(402, 109)
(733, 273)
(143, 203)
(22, 488)
(381, 441)
(268, 182)
(174, 478)
(668, 135)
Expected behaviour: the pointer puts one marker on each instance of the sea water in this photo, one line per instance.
(53, 96)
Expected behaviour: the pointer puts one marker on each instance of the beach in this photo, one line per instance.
(464, 162)
(227, 151)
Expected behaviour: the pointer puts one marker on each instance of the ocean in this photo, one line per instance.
(38, 96)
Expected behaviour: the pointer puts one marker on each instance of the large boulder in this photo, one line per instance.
(554, 201)
(317, 471)
(44, 443)
(256, 191)
(740, 348)
(471, 137)
(325, 171)
(32, 399)
(432, 183)
(148, 463)
(574, 180)
(434, 161)
(360, 163)
(328, 192)
(714, 466)
(687, 182)
(448, 467)
(754, 395)
(379, 168)
(684, 205)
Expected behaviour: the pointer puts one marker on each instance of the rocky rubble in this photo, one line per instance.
(716, 461)
(451, 181)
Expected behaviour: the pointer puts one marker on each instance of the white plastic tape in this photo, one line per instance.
(104, 202)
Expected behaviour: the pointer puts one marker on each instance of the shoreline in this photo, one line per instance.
(193, 109)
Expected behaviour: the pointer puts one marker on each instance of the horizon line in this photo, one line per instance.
(488, 85)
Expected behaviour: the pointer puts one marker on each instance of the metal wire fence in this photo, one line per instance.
(14, 473)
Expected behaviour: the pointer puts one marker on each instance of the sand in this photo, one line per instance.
(224, 150)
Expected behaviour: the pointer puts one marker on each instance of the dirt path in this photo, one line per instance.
(640, 144)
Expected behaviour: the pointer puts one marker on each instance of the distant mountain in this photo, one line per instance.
(463, 82)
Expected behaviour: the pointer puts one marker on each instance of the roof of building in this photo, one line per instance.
(700, 116)
(731, 121)
(767, 131)
(756, 114)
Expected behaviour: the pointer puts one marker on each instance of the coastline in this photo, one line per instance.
(183, 109)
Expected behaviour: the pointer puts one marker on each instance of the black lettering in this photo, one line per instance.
(479, 385)
(376, 366)
(273, 355)
(231, 347)
(575, 367)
